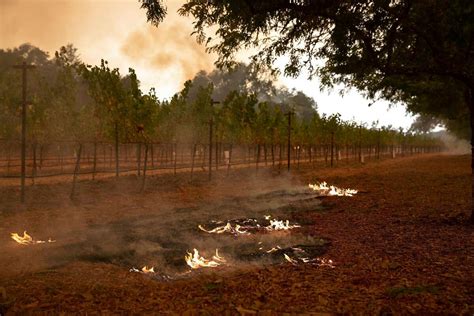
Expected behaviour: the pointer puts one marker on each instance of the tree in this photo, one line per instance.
(386, 48)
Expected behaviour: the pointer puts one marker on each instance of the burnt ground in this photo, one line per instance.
(401, 246)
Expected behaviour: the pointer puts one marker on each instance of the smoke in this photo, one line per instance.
(453, 144)
(150, 230)
(168, 48)
(114, 30)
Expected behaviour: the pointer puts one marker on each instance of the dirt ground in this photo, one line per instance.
(401, 246)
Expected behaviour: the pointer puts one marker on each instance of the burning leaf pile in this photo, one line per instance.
(324, 190)
(27, 239)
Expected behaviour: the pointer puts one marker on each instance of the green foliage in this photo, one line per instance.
(417, 52)
(75, 102)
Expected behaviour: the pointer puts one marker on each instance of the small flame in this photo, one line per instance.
(27, 239)
(195, 261)
(228, 228)
(145, 270)
(289, 259)
(280, 225)
(325, 190)
(273, 249)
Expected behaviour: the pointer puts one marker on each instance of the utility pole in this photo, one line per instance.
(24, 67)
(289, 114)
(211, 122)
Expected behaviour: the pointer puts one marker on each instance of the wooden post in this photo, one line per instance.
(360, 143)
(76, 171)
(116, 150)
(24, 67)
(145, 167)
(332, 148)
(94, 162)
(193, 156)
(210, 140)
(289, 139)
(230, 158)
(210, 149)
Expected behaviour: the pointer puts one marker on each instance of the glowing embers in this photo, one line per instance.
(196, 261)
(248, 226)
(324, 190)
(28, 240)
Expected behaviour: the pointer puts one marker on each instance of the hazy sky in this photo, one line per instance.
(163, 57)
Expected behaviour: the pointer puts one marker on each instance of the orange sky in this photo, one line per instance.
(115, 30)
(163, 57)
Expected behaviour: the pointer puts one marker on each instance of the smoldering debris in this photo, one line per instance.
(173, 241)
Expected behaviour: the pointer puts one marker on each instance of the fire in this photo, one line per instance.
(322, 262)
(289, 259)
(145, 270)
(280, 225)
(27, 239)
(325, 190)
(228, 228)
(273, 249)
(195, 261)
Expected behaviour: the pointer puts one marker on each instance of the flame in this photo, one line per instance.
(145, 270)
(289, 259)
(273, 249)
(27, 239)
(228, 228)
(195, 261)
(325, 190)
(280, 225)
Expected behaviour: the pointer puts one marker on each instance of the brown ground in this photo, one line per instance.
(400, 247)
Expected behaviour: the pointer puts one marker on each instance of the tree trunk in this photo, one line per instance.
(76, 171)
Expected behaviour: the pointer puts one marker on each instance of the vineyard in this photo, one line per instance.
(92, 120)
(290, 157)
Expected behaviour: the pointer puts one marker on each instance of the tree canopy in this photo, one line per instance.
(397, 50)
